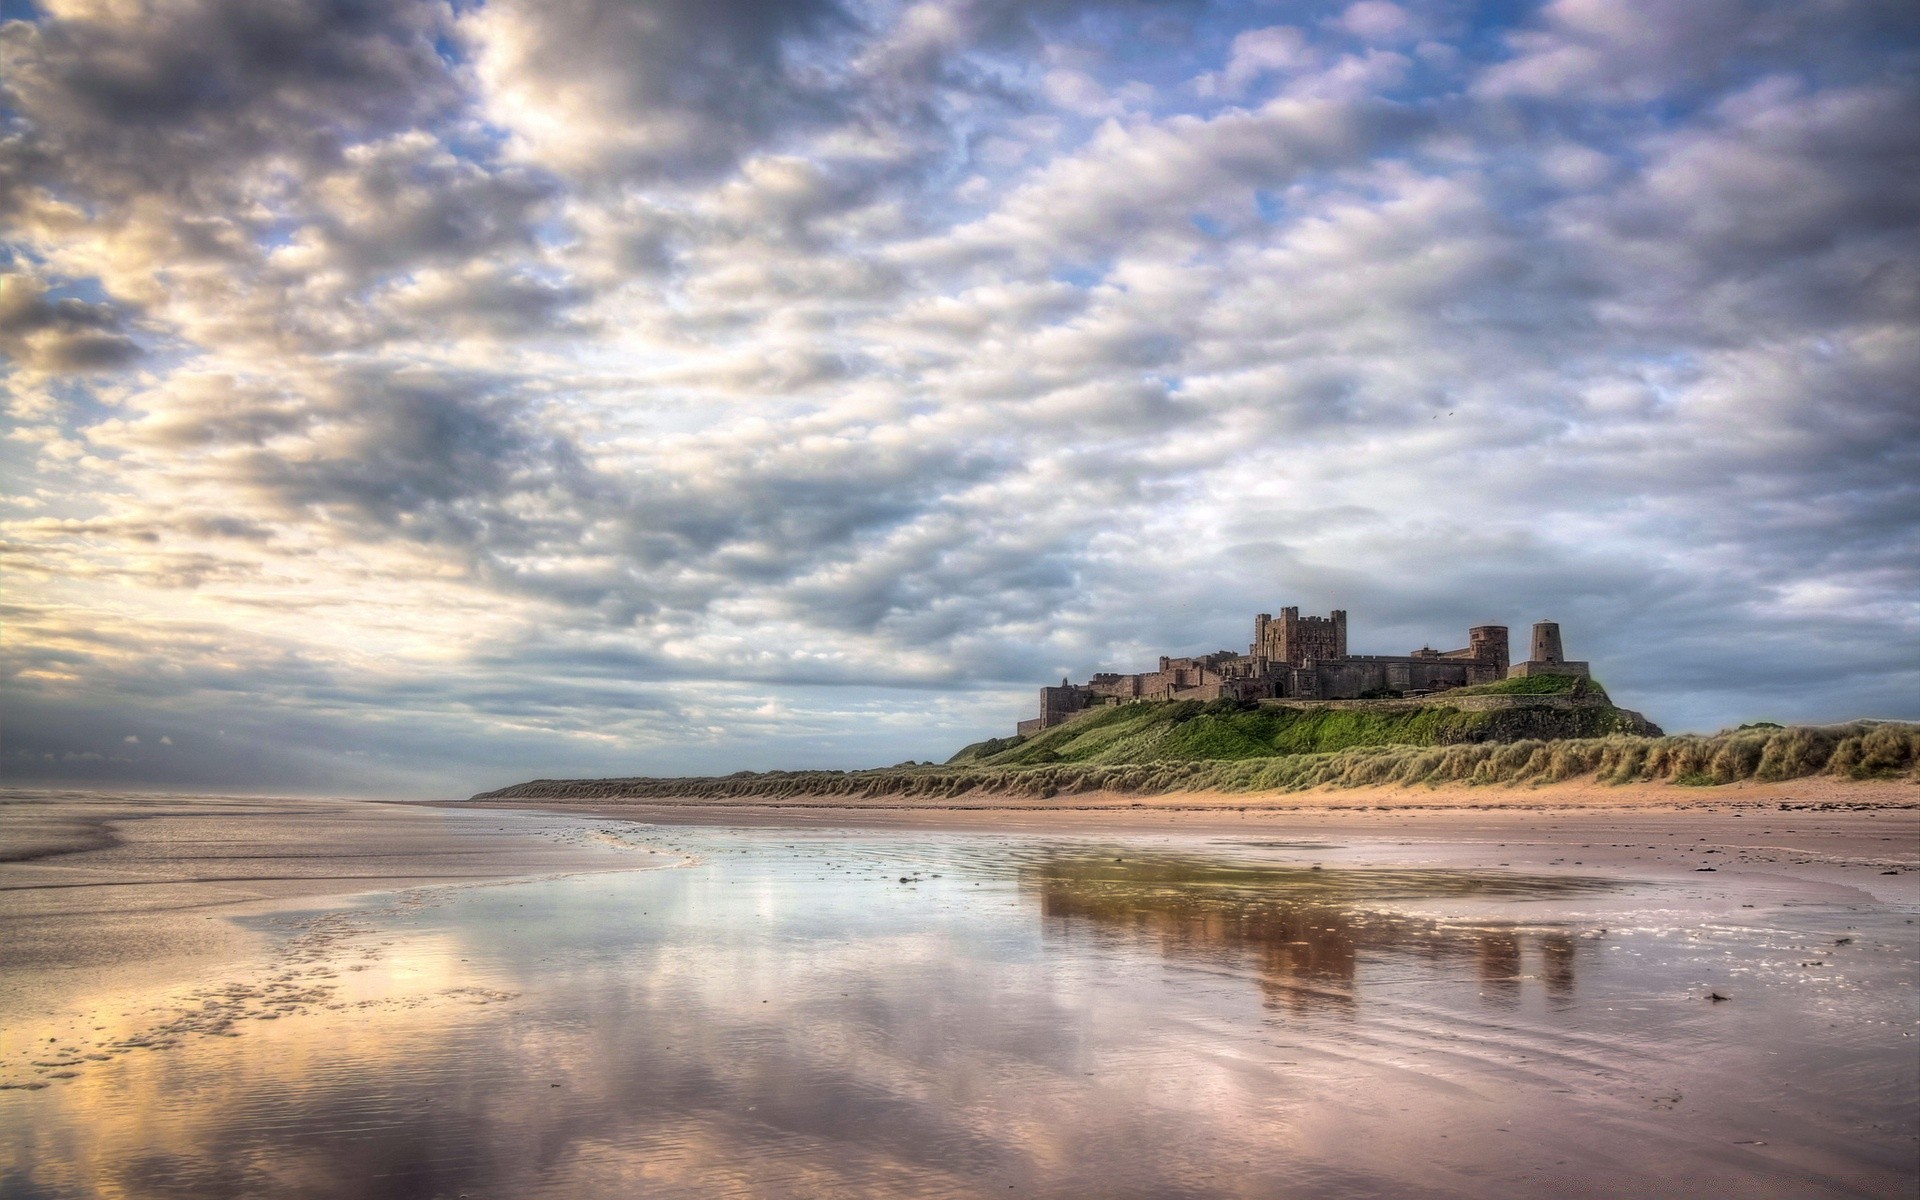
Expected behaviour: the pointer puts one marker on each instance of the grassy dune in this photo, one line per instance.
(1882, 750)
(1187, 730)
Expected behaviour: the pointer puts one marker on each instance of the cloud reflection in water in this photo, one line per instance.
(789, 1018)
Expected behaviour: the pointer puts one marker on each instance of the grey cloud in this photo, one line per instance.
(460, 465)
(240, 528)
(62, 335)
(1129, 184)
(206, 411)
(191, 88)
(783, 195)
(489, 301)
(1635, 51)
(440, 745)
(403, 240)
(613, 89)
(769, 512)
(48, 555)
(252, 714)
(784, 371)
(929, 44)
(421, 455)
(408, 200)
(1776, 175)
(287, 168)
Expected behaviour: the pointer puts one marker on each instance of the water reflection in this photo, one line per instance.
(887, 1017)
(1304, 931)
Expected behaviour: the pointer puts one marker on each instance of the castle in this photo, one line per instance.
(1305, 658)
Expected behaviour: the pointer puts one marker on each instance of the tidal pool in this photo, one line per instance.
(772, 1012)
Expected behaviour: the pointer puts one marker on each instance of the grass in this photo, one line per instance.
(1532, 685)
(1884, 750)
(1188, 730)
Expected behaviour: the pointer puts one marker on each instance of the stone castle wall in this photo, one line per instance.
(1559, 701)
(1305, 658)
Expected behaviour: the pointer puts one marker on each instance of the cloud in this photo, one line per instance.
(1635, 51)
(603, 90)
(60, 336)
(410, 390)
(1256, 53)
(1131, 183)
(410, 199)
(1376, 20)
(268, 179)
(173, 95)
(1775, 180)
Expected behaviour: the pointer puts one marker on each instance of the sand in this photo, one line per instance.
(850, 999)
(101, 890)
(1808, 835)
(109, 891)
(1571, 794)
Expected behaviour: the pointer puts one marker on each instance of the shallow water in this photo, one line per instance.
(865, 1013)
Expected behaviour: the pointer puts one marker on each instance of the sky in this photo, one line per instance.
(407, 398)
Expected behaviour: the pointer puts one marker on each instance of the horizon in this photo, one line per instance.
(413, 399)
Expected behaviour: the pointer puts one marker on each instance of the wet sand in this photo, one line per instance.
(339, 998)
(100, 890)
(1860, 835)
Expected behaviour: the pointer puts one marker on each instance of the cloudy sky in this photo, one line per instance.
(410, 397)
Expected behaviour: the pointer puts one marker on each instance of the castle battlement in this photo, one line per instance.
(1293, 657)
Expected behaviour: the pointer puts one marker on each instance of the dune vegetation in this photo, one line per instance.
(1188, 730)
(1862, 750)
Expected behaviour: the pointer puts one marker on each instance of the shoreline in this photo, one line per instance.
(1794, 842)
(1814, 792)
(118, 892)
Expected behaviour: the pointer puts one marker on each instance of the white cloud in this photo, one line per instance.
(1377, 21)
(1257, 53)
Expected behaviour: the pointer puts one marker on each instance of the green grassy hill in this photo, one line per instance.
(1184, 746)
(1878, 750)
(1189, 731)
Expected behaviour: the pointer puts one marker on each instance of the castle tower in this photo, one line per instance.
(1546, 643)
(1489, 646)
(1294, 639)
(1548, 657)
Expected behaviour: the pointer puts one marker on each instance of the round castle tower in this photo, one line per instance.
(1546, 643)
(1546, 656)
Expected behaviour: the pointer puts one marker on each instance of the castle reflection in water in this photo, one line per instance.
(1312, 938)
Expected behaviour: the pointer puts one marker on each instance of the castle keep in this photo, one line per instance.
(1305, 658)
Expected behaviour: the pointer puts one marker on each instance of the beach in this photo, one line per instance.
(1202, 996)
(1863, 835)
(100, 889)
